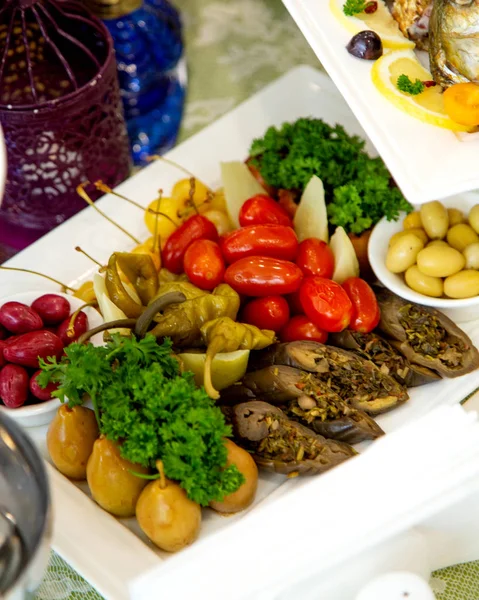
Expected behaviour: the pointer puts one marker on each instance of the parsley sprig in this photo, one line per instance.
(404, 84)
(143, 401)
(353, 7)
(358, 188)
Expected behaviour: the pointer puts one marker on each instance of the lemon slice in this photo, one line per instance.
(428, 106)
(226, 368)
(381, 21)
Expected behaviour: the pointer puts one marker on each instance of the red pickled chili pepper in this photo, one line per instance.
(195, 228)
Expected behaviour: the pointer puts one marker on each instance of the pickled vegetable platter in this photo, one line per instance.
(269, 354)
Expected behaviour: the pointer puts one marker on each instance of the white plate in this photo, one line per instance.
(427, 162)
(99, 546)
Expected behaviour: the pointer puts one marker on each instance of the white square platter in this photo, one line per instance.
(427, 162)
(109, 553)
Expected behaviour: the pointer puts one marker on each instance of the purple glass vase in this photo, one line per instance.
(61, 114)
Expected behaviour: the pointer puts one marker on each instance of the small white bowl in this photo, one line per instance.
(462, 310)
(43, 412)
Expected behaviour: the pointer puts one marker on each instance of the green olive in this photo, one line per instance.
(412, 221)
(435, 220)
(471, 254)
(456, 216)
(420, 233)
(439, 261)
(403, 253)
(464, 284)
(438, 243)
(473, 218)
(461, 235)
(423, 284)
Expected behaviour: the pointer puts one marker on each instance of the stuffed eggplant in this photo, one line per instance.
(305, 399)
(357, 381)
(379, 351)
(335, 420)
(425, 336)
(283, 446)
(273, 384)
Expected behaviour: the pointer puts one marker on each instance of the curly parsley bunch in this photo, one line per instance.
(358, 188)
(142, 401)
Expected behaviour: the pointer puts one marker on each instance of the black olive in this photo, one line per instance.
(366, 44)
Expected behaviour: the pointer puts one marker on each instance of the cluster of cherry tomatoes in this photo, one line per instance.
(286, 286)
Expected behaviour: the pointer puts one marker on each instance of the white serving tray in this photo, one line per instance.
(427, 162)
(100, 547)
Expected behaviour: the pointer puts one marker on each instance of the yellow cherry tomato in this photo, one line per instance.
(165, 223)
(220, 220)
(461, 103)
(181, 192)
(147, 247)
(85, 292)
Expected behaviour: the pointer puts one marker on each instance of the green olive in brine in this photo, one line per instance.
(462, 285)
(471, 254)
(403, 253)
(424, 284)
(439, 261)
(456, 216)
(435, 220)
(412, 221)
(461, 235)
(473, 218)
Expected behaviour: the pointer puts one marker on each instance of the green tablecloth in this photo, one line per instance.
(234, 48)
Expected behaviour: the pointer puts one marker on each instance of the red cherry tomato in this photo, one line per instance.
(366, 313)
(315, 257)
(294, 302)
(204, 264)
(263, 276)
(195, 228)
(276, 241)
(263, 210)
(270, 312)
(301, 328)
(326, 303)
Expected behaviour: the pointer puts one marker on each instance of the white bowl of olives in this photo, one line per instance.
(431, 256)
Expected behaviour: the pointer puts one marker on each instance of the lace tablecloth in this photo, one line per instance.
(234, 48)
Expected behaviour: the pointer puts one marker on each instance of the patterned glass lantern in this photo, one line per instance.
(60, 111)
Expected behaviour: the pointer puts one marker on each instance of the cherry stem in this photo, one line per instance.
(161, 471)
(173, 164)
(83, 194)
(78, 249)
(192, 193)
(155, 231)
(71, 325)
(62, 285)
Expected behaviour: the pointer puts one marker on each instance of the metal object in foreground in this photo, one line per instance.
(25, 515)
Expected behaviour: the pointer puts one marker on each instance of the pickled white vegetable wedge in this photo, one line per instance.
(239, 185)
(345, 260)
(109, 310)
(311, 219)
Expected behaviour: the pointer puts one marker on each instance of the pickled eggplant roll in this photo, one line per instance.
(272, 384)
(333, 419)
(356, 380)
(283, 446)
(305, 399)
(379, 351)
(426, 336)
